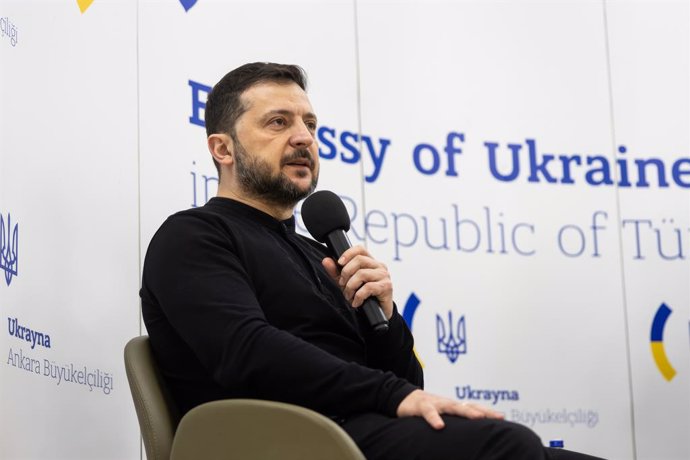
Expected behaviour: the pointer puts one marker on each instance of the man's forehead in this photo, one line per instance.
(274, 96)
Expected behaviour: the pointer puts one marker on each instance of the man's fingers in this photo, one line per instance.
(490, 413)
(358, 263)
(361, 277)
(486, 412)
(472, 411)
(351, 253)
(430, 407)
(365, 283)
(432, 417)
(331, 268)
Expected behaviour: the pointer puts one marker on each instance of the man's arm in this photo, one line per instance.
(393, 351)
(362, 276)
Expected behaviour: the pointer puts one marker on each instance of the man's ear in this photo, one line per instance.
(220, 146)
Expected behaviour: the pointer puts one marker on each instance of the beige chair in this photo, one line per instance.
(228, 429)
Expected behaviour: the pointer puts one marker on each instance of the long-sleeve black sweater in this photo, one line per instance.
(238, 305)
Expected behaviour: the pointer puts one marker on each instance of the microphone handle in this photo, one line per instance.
(338, 242)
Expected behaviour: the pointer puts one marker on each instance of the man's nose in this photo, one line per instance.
(301, 137)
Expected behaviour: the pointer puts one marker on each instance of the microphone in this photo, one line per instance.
(327, 220)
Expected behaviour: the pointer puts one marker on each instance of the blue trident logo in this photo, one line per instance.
(9, 241)
(451, 337)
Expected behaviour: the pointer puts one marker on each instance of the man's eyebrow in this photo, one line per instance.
(287, 113)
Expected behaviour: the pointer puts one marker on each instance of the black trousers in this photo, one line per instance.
(411, 438)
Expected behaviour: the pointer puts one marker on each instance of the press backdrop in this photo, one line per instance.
(522, 167)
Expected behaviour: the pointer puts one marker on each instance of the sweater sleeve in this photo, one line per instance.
(193, 273)
(394, 351)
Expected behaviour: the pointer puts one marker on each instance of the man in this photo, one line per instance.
(238, 305)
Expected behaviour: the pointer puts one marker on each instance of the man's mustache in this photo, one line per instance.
(300, 154)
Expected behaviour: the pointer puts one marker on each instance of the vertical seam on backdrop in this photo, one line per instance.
(138, 165)
(612, 117)
(138, 7)
(359, 120)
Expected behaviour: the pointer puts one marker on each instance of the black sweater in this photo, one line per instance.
(238, 305)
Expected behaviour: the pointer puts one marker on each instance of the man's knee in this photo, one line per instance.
(512, 441)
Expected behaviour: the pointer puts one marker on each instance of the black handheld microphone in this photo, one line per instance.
(327, 220)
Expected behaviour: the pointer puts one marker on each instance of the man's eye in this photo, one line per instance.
(278, 122)
(311, 125)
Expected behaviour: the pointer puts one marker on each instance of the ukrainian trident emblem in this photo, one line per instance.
(451, 337)
(9, 243)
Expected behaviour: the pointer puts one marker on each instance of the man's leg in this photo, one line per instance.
(562, 454)
(411, 438)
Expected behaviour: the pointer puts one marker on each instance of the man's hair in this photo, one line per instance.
(224, 105)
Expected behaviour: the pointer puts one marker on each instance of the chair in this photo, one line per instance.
(228, 429)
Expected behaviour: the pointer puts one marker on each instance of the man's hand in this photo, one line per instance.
(361, 276)
(427, 405)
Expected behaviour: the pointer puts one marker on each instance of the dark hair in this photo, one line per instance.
(224, 107)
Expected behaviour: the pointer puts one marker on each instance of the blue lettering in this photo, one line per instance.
(679, 246)
(458, 224)
(327, 142)
(198, 104)
(565, 161)
(536, 166)
(595, 229)
(642, 173)
(194, 204)
(396, 233)
(579, 236)
(369, 223)
(604, 170)
(677, 173)
(211, 179)
(344, 140)
(451, 150)
(352, 211)
(444, 244)
(515, 161)
(518, 249)
(435, 159)
(623, 166)
(636, 224)
(377, 159)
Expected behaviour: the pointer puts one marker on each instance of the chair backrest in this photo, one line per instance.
(157, 413)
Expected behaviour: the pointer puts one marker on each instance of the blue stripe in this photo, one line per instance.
(410, 308)
(659, 322)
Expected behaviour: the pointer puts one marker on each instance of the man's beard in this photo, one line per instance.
(256, 179)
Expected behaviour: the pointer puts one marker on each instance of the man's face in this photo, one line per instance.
(275, 150)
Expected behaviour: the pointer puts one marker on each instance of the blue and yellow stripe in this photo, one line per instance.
(657, 342)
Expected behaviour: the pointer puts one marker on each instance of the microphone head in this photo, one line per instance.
(324, 212)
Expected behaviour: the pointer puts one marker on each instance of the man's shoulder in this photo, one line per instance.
(188, 219)
(212, 214)
(195, 226)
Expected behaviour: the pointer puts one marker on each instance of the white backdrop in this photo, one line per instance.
(489, 153)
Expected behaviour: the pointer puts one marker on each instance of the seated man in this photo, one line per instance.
(238, 305)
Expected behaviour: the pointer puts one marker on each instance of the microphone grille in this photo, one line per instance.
(324, 212)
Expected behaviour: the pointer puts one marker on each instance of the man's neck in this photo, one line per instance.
(277, 212)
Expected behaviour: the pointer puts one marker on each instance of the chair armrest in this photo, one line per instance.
(251, 429)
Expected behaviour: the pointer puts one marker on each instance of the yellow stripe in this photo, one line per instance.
(84, 4)
(417, 355)
(662, 361)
